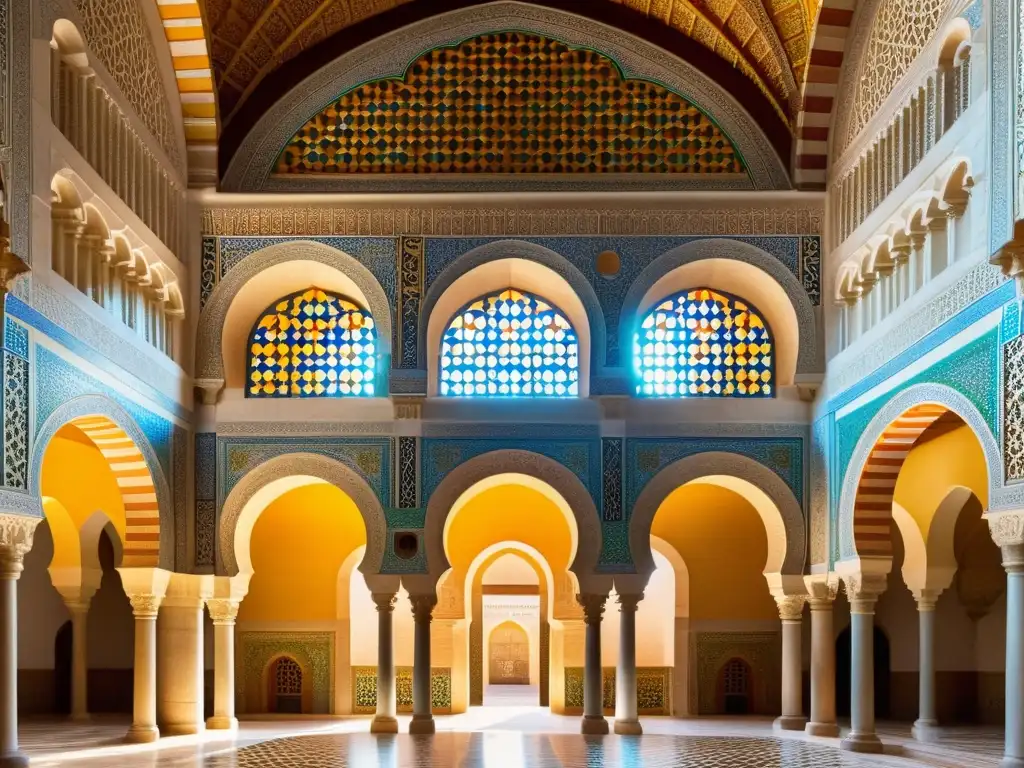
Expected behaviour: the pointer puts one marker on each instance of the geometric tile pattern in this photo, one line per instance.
(15, 420)
(510, 102)
(364, 690)
(872, 510)
(312, 344)
(509, 344)
(703, 343)
(138, 492)
(1013, 408)
(477, 750)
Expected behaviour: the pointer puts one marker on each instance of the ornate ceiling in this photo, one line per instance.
(767, 40)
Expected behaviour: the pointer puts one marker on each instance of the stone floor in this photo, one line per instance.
(495, 737)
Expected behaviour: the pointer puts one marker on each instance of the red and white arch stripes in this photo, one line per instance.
(138, 492)
(820, 89)
(872, 509)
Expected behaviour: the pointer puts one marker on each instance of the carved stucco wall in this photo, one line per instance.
(117, 33)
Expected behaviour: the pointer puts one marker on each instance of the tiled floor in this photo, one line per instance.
(495, 737)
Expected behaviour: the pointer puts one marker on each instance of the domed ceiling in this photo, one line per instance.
(766, 40)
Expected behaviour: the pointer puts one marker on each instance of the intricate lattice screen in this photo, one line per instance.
(704, 343)
(510, 102)
(288, 677)
(900, 31)
(312, 344)
(509, 344)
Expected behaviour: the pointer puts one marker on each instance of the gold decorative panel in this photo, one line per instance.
(510, 102)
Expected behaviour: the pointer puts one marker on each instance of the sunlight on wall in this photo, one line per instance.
(298, 544)
(722, 540)
(655, 621)
(75, 473)
(935, 466)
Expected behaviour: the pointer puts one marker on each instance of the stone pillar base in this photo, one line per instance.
(220, 723)
(422, 724)
(628, 727)
(15, 760)
(142, 734)
(383, 724)
(594, 726)
(182, 729)
(926, 731)
(830, 730)
(862, 742)
(790, 723)
(1006, 762)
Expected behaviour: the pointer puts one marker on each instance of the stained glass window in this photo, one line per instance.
(509, 344)
(704, 343)
(312, 344)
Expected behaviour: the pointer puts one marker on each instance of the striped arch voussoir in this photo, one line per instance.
(872, 508)
(135, 482)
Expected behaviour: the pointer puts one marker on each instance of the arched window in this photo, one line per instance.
(509, 344)
(312, 344)
(287, 686)
(701, 343)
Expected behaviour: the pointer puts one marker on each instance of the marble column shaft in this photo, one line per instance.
(626, 719)
(863, 593)
(927, 721)
(422, 717)
(823, 668)
(593, 688)
(224, 613)
(16, 533)
(791, 612)
(145, 608)
(385, 720)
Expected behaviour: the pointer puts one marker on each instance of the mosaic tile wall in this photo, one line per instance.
(510, 102)
(364, 690)
(653, 690)
(15, 405)
(314, 651)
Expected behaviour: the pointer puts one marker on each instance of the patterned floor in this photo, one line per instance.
(496, 737)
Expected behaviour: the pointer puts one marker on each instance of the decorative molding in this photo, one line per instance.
(327, 469)
(791, 607)
(209, 350)
(223, 611)
(410, 269)
(501, 220)
(305, 428)
(811, 353)
(145, 606)
(387, 56)
(980, 291)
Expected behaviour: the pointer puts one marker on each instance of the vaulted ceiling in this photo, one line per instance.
(767, 40)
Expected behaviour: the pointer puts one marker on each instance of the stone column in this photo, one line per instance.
(385, 721)
(180, 665)
(16, 534)
(823, 660)
(927, 722)
(626, 720)
(422, 718)
(863, 591)
(79, 610)
(224, 612)
(791, 608)
(1007, 529)
(145, 607)
(593, 689)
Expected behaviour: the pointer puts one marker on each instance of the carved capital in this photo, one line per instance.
(223, 611)
(385, 601)
(863, 591)
(629, 603)
(209, 390)
(791, 607)
(145, 605)
(1007, 529)
(593, 607)
(926, 599)
(821, 591)
(422, 607)
(16, 532)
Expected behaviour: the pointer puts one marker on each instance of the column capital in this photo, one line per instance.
(223, 610)
(926, 598)
(593, 607)
(385, 601)
(863, 590)
(821, 591)
(629, 603)
(145, 605)
(1007, 530)
(16, 533)
(423, 607)
(791, 607)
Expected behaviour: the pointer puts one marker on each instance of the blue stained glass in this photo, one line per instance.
(312, 344)
(509, 344)
(702, 343)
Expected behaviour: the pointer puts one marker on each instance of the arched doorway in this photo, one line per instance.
(881, 677)
(735, 688)
(284, 680)
(508, 655)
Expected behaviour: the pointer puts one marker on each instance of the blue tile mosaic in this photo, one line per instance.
(15, 338)
(57, 382)
(1009, 325)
